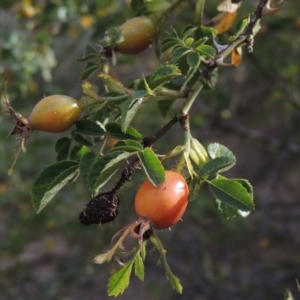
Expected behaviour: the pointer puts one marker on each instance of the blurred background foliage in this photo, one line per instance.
(254, 111)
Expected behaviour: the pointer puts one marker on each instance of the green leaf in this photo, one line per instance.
(194, 189)
(225, 210)
(217, 165)
(173, 32)
(131, 106)
(115, 130)
(189, 41)
(103, 168)
(168, 43)
(88, 89)
(90, 69)
(78, 151)
(112, 36)
(207, 50)
(175, 283)
(205, 32)
(193, 60)
(85, 165)
(233, 193)
(90, 128)
(157, 6)
(139, 269)
(179, 53)
(110, 169)
(127, 146)
(62, 148)
(89, 53)
(113, 84)
(241, 25)
(163, 74)
(119, 281)
(152, 166)
(200, 42)
(82, 140)
(199, 7)
(217, 150)
(246, 184)
(50, 181)
(187, 31)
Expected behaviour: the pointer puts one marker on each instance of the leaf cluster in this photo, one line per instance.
(84, 154)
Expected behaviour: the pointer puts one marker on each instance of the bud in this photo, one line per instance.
(198, 153)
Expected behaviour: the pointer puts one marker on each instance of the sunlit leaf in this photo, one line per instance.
(112, 36)
(217, 164)
(200, 42)
(232, 193)
(119, 280)
(217, 150)
(152, 166)
(226, 211)
(113, 84)
(88, 89)
(78, 151)
(139, 269)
